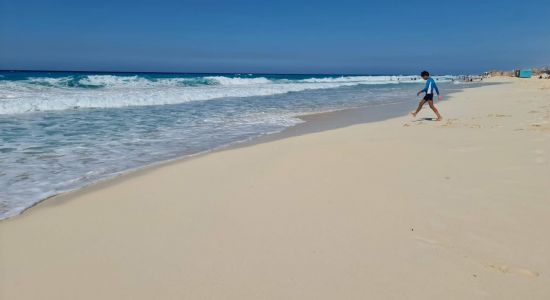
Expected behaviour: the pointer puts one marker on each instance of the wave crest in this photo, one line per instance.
(105, 91)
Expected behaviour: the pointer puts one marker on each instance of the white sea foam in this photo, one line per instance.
(109, 91)
(363, 79)
(57, 81)
(114, 81)
(222, 80)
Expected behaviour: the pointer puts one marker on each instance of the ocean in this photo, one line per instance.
(60, 131)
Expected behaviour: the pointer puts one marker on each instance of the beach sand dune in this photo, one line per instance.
(398, 209)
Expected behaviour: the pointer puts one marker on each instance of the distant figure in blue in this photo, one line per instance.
(429, 90)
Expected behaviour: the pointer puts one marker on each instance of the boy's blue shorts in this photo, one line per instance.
(429, 97)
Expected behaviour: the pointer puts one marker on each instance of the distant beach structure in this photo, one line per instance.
(524, 73)
(541, 73)
(500, 73)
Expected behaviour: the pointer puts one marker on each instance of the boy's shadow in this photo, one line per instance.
(425, 119)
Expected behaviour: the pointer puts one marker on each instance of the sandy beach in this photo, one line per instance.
(395, 209)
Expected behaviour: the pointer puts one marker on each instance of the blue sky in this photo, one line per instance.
(284, 36)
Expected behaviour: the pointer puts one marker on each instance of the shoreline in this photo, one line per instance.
(312, 123)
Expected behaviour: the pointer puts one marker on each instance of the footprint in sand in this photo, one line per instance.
(504, 269)
(542, 126)
(449, 123)
(453, 123)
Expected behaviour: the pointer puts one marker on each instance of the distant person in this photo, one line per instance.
(429, 97)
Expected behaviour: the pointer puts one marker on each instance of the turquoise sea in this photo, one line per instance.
(63, 130)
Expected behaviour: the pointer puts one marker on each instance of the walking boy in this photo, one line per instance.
(429, 97)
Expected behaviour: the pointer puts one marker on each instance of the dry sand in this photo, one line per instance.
(398, 209)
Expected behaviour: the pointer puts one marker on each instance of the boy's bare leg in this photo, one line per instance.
(420, 104)
(431, 104)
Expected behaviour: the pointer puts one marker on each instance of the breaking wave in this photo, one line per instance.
(33, 94)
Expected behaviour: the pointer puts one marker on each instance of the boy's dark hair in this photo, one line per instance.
(424, 73)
